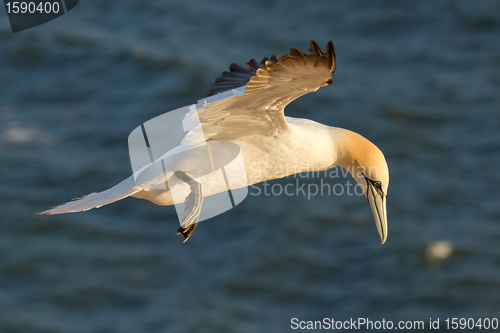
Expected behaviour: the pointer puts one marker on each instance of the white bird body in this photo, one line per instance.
(272, 146)
(309, 146)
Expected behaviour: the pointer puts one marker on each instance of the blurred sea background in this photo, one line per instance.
(421, 79)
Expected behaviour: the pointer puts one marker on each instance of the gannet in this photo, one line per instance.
(246, 108)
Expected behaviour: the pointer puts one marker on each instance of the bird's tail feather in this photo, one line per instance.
(95, 200)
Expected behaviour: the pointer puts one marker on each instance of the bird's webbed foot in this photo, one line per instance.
(187, 231)
(192, 206)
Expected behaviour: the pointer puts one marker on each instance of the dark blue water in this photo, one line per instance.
(421, 79)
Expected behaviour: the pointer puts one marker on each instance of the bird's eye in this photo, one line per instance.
(377, 184)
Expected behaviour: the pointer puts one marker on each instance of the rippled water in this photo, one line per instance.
(420, 79)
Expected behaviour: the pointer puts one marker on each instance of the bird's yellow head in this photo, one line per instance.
(366, 163)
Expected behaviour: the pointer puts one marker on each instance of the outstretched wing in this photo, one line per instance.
(270, 86)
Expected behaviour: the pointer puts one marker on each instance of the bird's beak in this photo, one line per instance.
(377, 202)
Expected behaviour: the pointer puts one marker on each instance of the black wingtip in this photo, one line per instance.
(253, 65)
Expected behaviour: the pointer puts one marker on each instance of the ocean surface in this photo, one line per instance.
(420, 79)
